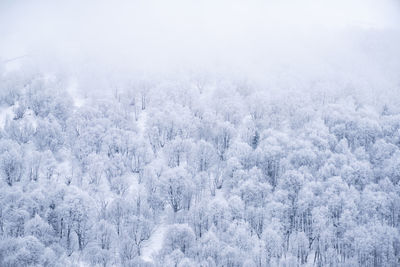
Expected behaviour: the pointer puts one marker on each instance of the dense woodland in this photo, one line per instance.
(196, 172)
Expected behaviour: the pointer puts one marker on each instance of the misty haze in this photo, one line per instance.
(199, 133)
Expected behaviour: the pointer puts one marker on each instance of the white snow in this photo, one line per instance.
(4, 113)
(154, 244)
(141, 123)
(73, 91)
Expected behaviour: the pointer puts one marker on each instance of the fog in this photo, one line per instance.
(283, 44)
(200, 133)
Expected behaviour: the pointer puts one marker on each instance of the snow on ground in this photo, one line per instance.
(31, 118)
(73, 91)
(4, 113)
(154, 244)
(141, 123)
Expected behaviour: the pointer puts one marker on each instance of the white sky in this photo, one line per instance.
(255, 37)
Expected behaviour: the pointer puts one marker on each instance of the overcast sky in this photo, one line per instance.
(309, 38)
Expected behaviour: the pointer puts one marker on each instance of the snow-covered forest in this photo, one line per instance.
(111, 163)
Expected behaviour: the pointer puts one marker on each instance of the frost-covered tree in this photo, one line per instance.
(11, 162)
(186, 173)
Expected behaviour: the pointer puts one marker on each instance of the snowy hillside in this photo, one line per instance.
(199, 133)
(206, 178)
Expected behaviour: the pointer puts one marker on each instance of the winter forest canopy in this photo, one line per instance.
(200, 133)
